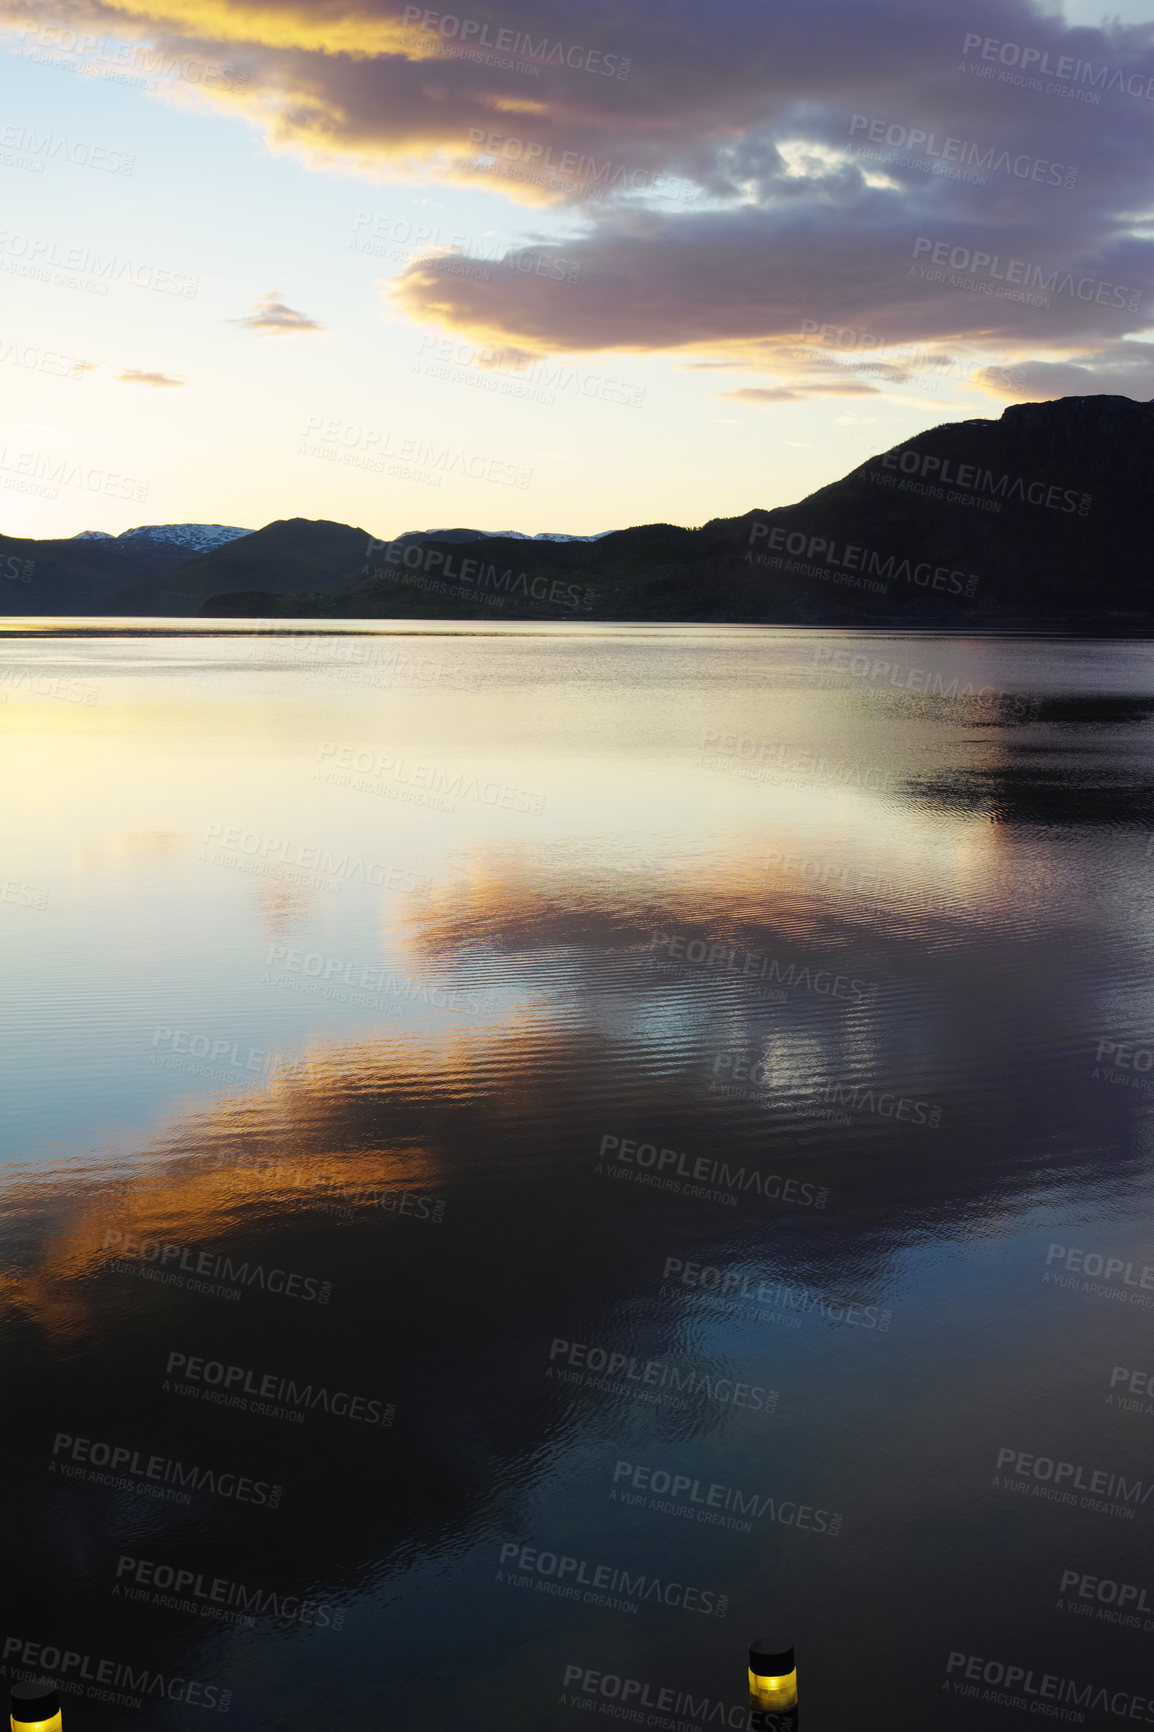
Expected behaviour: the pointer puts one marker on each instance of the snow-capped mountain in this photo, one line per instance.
(205, 537)
(545, 535)
(197, 537)
(513, 535)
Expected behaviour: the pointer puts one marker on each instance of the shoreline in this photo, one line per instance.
(162, 625)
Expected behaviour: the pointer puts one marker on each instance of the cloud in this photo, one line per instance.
(274, 317)
(723, 98)
(132, 377)
(1121, 370)
(860, 262)
(821, 146)
(794, 394)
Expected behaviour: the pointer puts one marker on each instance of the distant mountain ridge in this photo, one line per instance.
(199, 537)
(495, 534)
(1038, 521)
(203, 537)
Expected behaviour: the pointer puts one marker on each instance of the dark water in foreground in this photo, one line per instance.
(532, 1159)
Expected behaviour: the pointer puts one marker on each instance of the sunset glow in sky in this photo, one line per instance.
(538, 268)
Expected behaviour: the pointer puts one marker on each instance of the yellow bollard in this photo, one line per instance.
(35, 1707)
(772, 1686)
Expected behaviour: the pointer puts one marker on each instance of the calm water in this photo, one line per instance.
(621, 1129)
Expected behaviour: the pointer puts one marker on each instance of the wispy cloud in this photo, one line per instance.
(274, 318)
(132, 377)
(794, 394)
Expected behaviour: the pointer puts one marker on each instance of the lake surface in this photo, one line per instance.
(533, 1157)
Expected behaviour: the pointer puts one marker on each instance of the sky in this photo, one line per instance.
(539, 268)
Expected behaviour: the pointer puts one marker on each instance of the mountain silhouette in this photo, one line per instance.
(1036, 521)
